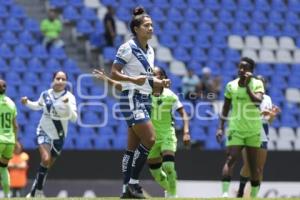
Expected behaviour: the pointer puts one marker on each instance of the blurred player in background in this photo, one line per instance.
(243, 96)
(161, 159)
(133, 68)
(18, 167)
(8, 136)
(59, 107)
(268, 112)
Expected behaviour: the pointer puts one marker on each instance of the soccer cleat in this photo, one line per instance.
(168, 195)
(28, 195)
(126, 194)
(225, 195)
(135, 191)
(39, 194)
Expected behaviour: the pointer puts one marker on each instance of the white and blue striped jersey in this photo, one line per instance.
(58, 111)
(265, 105)
(127, 56)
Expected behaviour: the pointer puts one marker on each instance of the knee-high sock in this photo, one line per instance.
(243, 182)
(159, 175)
(255, 185)
(225, 184)
(139, 159)
(39, 180)
(169, 169)
(126, 167)
(5, 180)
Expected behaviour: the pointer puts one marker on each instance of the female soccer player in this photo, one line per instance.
(59, 106)
(161, 158)
(243, 95)
(133, 68)
(8, 136)
(268, 112)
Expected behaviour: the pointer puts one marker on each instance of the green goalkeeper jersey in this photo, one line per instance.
(8, 112)
(245, 115)
(161, 114)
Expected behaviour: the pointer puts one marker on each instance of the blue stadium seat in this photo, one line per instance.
(17, 12)
(114, 3)
(256, 29)
(13, 24)
(35, 65)
(161, 3)
(84, 142)
(3, 65)
(59, 4)
(196, 4)
(128, 4)
(99, 27)
(76, 3)
(180, 4)
(294, 81)
(30, 78)
(71, 66)
(40, 52)
(157, 15)
(229, 5)
(12, 92)
(242, 17)
(259, 16)
(293, 5)
(148, 5)
(190, 15)
(13, 78)
(185, 41)
(220, 42)
(264, 69)
(58, 53)
(22, 51)
(181, 54)
(262, 5)
(292, 18)
(289, 121)
(278, 5)
(281, 69)
(212, 4)
(225, 16)
(84, 27)
(97, 40)
(26, 90)
(232, 55)
(197, 133)
(8, 37)
(174, 15)
(188, 26)
(120, 143)
(215, 54)
(198, 54)
(208, 16)
(5, 52)
(202, 41)
(245, 5)
(204, 29)
(109, 53)
(88, 14)
(222, 30)
(26, 38)
(238, 29)
(170, 28)
(18, 65)
(3, 12)
(168, 41)
(70, 13)
(102, 143)
(290, 30)
(32, 25)
(52, 65)
(272, 30)
(123, 14)
(276, 17)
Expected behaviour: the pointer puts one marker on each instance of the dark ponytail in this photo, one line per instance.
(138, 15)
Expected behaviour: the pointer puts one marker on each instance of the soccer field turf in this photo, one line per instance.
(116, 198)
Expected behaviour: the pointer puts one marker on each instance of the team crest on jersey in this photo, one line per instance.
(138, 114)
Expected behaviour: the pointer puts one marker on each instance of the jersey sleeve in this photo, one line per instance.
(266, 104)
(123, 54)
(227, 92)
(177, 103)
(36, 105)
(258, 87)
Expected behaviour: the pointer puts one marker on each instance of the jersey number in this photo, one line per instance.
(5, 120)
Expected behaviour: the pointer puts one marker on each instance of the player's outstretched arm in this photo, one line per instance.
(100, 74)
(34, 105)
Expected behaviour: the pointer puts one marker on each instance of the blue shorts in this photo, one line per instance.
(264, 145)
(56, 146)
(135, 107)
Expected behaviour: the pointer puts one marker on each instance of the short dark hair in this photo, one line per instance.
(250, 61)
(138, 15)
(55, 73)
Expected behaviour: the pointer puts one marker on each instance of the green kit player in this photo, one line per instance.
(8, 131)
(161, 158)
(243, 95)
